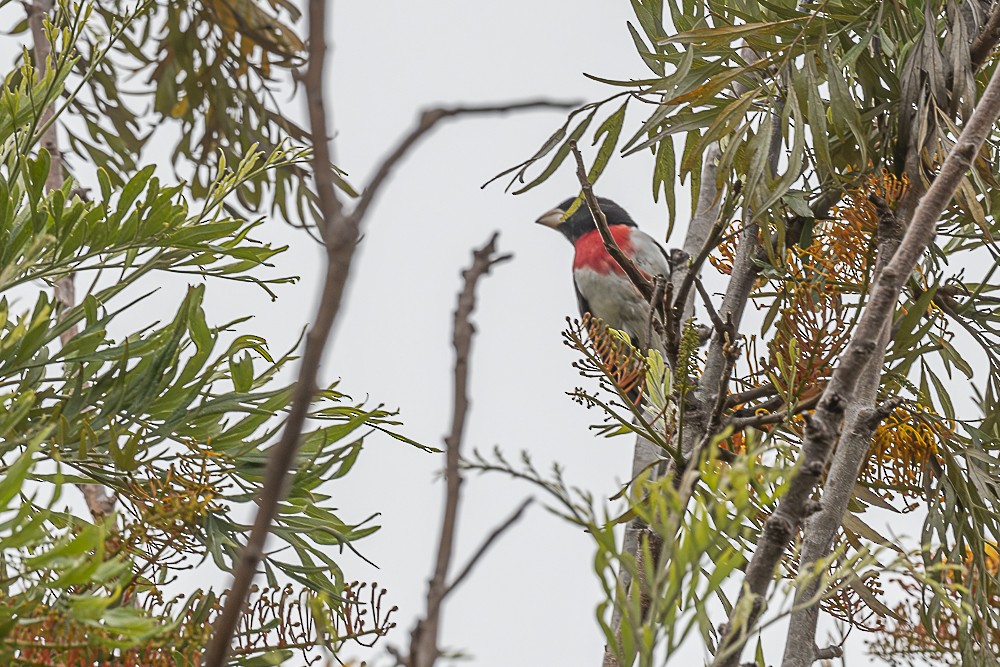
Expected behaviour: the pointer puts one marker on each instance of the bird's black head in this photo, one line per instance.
(581, 221)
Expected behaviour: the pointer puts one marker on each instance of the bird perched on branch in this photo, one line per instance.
(602, 288)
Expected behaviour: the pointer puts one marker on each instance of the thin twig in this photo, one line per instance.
(829, 652)
(635, 276)
(487, 543)
(706, 299)
(731, 352)
(762, 391)
(684, 294)
(430, 118)
(424, 637)
(659, 286)
(823, 428)
(773, 417)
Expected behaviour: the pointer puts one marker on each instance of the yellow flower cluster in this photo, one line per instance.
(904, 447)
(170, 504)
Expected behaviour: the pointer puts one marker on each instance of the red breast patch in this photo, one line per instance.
(591, 253)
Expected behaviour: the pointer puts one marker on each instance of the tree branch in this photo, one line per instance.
(823, 428)
(764, 390)
(430, 118)
(987, 39)
(340, 233)
(424, 637)
(487, 543)
(861, 420)
(829, 652)
(702, 237)
(717, 365)
(773, 417)
(706, 299)
(314, 81)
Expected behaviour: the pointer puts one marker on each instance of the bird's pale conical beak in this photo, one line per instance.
(552, 219)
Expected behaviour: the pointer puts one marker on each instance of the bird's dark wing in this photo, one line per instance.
(582, 302)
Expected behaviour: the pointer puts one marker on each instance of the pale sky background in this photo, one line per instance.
(532, 599)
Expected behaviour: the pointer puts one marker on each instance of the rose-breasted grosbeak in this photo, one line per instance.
(602, 288)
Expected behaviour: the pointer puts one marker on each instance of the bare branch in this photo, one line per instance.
(706, 299)
(331, 208)
(823, 427)
(424, 637)
(637, 277)
(660, 286)
(829, 652)
(430, 118)
(764, 390)
(774, 417)
(487, 543)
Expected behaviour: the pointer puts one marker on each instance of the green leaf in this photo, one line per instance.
(611, 129)
(561, 153)
(241, 372)
(727, 34)
(664, 177)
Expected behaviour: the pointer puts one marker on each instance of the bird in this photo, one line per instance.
(602, 288)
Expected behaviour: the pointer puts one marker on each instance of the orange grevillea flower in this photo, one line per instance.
(608, 357)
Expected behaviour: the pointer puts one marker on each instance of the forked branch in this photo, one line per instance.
(424, 637)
